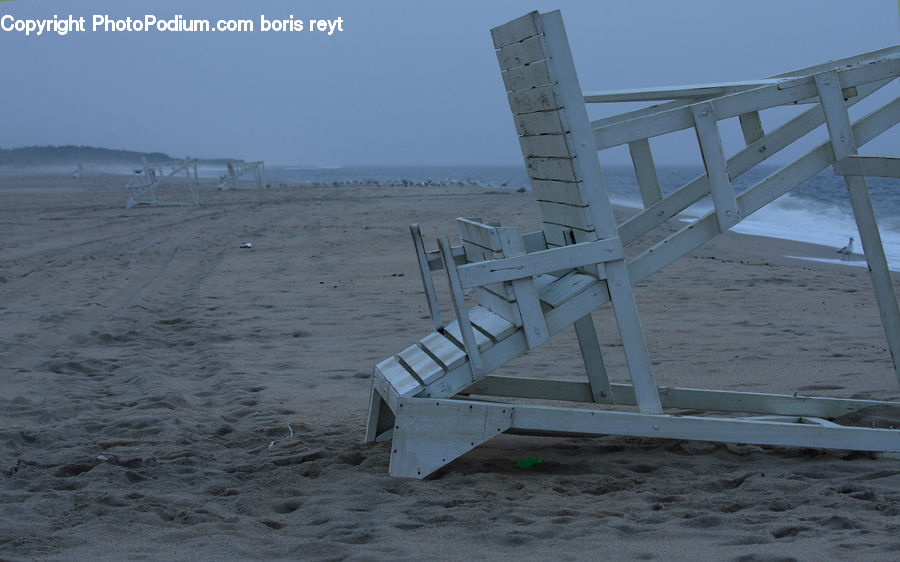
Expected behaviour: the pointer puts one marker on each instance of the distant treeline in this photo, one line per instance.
(73, 155)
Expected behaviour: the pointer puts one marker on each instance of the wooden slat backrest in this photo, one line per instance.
(554, 132)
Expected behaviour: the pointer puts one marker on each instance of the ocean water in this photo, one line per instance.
(817, 211)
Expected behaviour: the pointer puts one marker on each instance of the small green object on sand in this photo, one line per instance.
(528, 462)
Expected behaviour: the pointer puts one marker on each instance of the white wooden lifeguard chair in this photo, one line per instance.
(529, 287)
(175, 173)
(236, 171)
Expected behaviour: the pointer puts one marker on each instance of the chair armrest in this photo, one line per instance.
(536, 263)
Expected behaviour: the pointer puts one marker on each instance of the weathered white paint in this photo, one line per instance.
(716, 165)
(868, 166)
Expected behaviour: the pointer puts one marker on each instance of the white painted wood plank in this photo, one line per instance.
(882, 69)
(494, 325)
(642, 112)
(421, 364)
(534, 241)
(645, 171)
(498, 305)
(559, 169)
(529, 306)
(425, 272)
(861, 58)
(564, 288)
(533, 100)
(398, 377)
(680, 398)
(384, 389)
(836, 117)
(541, 281)
(545, 146)
(479, 233)
(464, 328)
(636, 356)
(521, 53)
(844, 145)
(759, 151)
(538, 389)
(751, 127)
(379, 417)
(570, 216)
(592, 356)
(642, 127)
(666, 118)
(761, 194)
(524, 77)
(541, 123)
(418, 450)
(716, 165)
(816, 160)
(557, 192)
(452, 331)
(729, 430)
(673, 247)
(745, 159)
(570, 95)
(881, 166)
(476, 253)
(494, 357)
(562, 235)
(536, 263)
(435, 262)
(680, 118)
(514, 31)
(448, 354)
(497, 291)
(750, 402)
(691, 91)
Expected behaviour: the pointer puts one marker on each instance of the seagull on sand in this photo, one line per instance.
(846, 250)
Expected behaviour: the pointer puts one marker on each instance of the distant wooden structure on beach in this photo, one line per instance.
(236, 171)
(531, 286)
(175, 173)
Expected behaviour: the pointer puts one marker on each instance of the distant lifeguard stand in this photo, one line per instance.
(235, 171)
(176, 177)
(437, 399)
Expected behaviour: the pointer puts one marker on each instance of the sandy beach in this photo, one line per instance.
(170, 394)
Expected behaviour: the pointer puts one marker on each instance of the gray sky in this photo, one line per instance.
(406, 82)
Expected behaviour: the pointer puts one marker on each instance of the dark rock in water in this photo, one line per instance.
(521, 190)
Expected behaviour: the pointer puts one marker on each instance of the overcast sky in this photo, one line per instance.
(405, 82)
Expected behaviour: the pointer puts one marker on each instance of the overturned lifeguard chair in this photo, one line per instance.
(236, 171)
(529, 287)
(182, 173)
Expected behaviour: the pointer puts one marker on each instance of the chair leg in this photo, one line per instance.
(381, 418)
(593, 360)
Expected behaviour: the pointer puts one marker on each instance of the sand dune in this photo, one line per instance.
(169, 394)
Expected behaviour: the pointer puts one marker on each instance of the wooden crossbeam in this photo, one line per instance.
(784, 93)
(674, 397)
(705, 123)
(868, 166)
(691, 92)
(760, 194)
